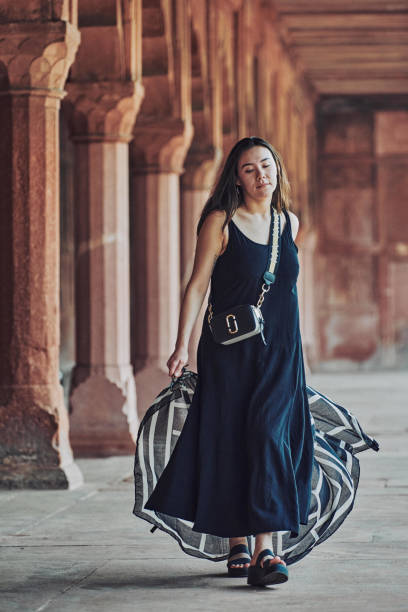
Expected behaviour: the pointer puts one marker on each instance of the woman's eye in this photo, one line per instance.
(248, 171)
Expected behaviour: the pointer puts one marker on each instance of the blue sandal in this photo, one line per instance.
(270, 573)
(238, 572)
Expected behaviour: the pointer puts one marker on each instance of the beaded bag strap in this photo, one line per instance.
(269, 276)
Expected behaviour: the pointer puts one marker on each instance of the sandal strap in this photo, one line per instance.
(239, 548)
(240, 561)
(264, 553)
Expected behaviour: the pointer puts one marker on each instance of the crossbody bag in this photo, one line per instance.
(246, 320)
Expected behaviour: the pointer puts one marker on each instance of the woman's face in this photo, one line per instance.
(257, 173)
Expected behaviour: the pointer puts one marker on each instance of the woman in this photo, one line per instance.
(243, 463)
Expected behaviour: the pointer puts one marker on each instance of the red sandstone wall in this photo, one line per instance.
(363, 243)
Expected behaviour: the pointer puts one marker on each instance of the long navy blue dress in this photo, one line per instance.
(243, 462)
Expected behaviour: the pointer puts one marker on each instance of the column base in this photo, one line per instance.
(104, 418)
(31, 476)
(34, 449)
(150, 381)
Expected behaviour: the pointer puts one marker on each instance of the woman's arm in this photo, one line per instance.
(210, 243)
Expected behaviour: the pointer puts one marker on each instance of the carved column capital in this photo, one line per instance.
(161, 146)
(35, 57)
(201, 167)
(103, 110)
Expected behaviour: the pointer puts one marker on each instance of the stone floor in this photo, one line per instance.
(84, 551)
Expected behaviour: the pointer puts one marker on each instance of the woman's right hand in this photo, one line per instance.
(176, 361)
(209, 246)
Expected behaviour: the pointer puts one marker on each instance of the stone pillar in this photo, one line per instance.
(158, 154)
(67, 256)
(307, 241)
(103, 395)
(34, 450)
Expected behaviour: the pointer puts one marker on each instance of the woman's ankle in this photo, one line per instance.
(238, 540)
(263, 541)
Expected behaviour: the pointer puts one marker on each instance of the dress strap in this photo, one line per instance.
(285, 212)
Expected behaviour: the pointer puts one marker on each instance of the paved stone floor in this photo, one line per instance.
(84, 551)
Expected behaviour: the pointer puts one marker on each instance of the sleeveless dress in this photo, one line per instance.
(243, 462)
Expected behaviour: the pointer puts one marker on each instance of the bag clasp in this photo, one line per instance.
(232, 324)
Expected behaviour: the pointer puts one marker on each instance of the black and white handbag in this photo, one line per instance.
(246, 320)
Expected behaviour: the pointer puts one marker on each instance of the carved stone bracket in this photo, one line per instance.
(201, 167)
(103, 110)
(162, 146)
(37, 56)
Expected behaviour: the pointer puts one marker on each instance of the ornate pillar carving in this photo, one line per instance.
(35, 451)
(103, 395)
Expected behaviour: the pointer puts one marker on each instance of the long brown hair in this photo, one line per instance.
(227, 195)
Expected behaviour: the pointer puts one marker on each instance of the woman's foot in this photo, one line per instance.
(263, 541)
(267, 571)
(267, 559)
(239, 556)
(266, 568)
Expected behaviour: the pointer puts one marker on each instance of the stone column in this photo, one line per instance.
(307, 241)
(158, 154)
(103, 395)
(34, 449)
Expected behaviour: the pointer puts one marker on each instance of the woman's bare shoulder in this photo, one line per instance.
(215, 218)
(213, 228)
(294, 222)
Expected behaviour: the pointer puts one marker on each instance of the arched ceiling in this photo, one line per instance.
(348, 46)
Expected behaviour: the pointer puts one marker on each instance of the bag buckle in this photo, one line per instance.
(232, 324)
(265, 289)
